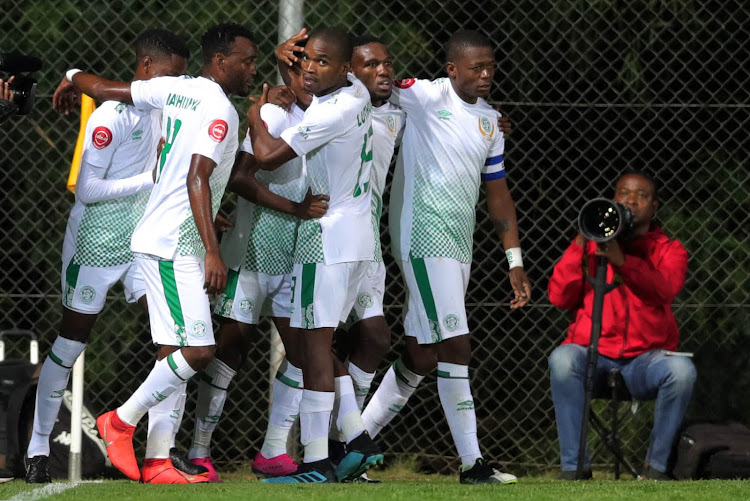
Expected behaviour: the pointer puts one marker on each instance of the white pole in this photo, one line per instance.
(291, 19)
(76, 413)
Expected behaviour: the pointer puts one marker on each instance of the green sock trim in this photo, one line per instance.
(400, 376)
(58, 361)
(287, 380)
(173, 366)
(447, 375)
(209, 381)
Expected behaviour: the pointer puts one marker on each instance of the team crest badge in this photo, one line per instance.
(88, 294)
(199, 328)
(365, 300)
(486, 127)
(451, 322)
(391, 123)
(246, 305)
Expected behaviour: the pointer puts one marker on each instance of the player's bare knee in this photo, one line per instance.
(198, 356)
(421, 360)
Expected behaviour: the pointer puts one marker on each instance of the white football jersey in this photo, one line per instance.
(197, 118)
(336, 137)
(262, 240)
(449, 147)
(120, 142)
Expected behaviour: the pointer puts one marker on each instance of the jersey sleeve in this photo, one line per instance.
(216, 124)
(494, 165)
(315, 130)
(274, 119)
(104, 134)
(151, 94)
(410, 93)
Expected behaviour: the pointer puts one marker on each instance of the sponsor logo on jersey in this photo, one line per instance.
(199, 328)
(486, 127)
(246, 305)
(451, 322)
(217, 130)
(405, 83)
(87, 294)
(137, 135)
(444, 115)
(101, 137)
(365, 300)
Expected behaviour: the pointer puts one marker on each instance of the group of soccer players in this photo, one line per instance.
(304, 248)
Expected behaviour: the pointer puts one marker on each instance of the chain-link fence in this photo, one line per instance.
(592, 87)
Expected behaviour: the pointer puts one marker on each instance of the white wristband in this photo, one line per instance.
(514, 257)
(69, 74)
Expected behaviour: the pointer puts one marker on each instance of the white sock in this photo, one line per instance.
(182, 397)
(212, 393)
(362, 381)
(163, 380)
(314, 416)
(349, 418)
(286, 396)
(163, 420)
(455, 396)
(53, 380)
(391, 396)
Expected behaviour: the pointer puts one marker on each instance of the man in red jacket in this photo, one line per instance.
(639, 331)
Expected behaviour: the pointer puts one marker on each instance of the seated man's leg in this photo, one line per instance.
(669, 379)
(567, 365)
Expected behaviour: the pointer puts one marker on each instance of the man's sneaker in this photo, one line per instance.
(119, 445)
(208, 465)
(364, 479)
(486, 473)
(279, 466)
(181, 462)
(651, 473)
(336, 451)
(166, 473)
(318, 472)
(362, 454)
(6, 476)
(37, 471)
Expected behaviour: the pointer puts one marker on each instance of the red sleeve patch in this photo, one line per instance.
(218, 130)
(101, 137)
(265, 124)
(405, 83)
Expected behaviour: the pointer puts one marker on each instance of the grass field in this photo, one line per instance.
(399, 483)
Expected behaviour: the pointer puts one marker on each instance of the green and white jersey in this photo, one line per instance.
(197, 119)
(120, 143)
(449, 146)
(262, 239)
(336, 137)
(387, 126)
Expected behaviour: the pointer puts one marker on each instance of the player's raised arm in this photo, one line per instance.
(76, 81)
(269, 151)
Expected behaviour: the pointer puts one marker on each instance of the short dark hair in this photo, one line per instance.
(339, 38)
(366, 39)
(645, 175)
(465, 39)
(219, 39)
(157, 42)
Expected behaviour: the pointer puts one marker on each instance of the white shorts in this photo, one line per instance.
(369, 302)
(248, 291)
(84, 288)
(324, 293)
(436, 288)
(178, 306)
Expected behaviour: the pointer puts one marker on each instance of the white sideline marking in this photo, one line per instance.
(48, 490)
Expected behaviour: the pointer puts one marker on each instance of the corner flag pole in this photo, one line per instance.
(76, 408)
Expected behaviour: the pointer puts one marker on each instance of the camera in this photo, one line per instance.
(23, 87)
(602, 220)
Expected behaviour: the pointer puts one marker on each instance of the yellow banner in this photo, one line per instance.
(87, 108)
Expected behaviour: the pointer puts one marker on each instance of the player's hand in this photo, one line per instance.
(65, 97)
(258, 102)
(612, 251)
(313, 206)
(222, 224)
(5, 92)
(282, 96)
(285, 52)
(521, 288)
(504, 124)
(216, 273)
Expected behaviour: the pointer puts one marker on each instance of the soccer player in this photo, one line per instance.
(175, 244)
(332, 252)
(116, 172)
(259, 251)
(451, 143)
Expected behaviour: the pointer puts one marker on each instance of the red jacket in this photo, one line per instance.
(637, 315)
